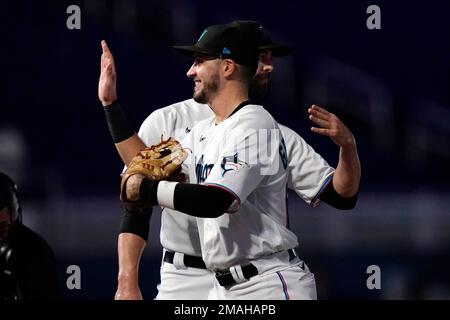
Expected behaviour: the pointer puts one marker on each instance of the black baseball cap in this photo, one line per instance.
(278, 50)
(256, 30)
(225, 41)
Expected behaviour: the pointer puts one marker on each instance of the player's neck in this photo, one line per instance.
(225, 102)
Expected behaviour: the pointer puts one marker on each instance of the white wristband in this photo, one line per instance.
(165, 194)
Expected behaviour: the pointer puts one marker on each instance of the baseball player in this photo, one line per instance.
(238, 177)
(183, 269)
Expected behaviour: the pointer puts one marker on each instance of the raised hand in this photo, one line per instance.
(132, 186)
(330, 126)
(107, 84)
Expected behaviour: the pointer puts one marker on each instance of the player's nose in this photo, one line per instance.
(191, 72)
(268, 68)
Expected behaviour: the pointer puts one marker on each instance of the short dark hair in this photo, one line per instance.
(247, 73)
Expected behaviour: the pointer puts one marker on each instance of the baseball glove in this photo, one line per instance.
(158, 162)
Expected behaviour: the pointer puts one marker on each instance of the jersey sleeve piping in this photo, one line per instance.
(234, 207)
(315, 200)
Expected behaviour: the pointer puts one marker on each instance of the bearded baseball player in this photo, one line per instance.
(183, 269)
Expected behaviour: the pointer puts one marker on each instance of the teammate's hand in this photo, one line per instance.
(128, 293)
(331, 126)
(107, 84)
(133, 185)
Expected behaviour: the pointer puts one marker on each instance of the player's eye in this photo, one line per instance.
(198, 61)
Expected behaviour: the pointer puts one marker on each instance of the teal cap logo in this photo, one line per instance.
(202, 35)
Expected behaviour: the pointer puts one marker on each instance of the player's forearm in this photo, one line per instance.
(192, 199)
(348, 172)
(130, 147)
(130, 248)
(127, 142)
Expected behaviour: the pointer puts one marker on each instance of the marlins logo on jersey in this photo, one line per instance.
(232, 163)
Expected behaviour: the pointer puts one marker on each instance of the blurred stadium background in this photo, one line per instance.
(390, 86)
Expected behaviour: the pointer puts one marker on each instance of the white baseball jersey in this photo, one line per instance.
(178, 230)
(245, 155)
(308, 172)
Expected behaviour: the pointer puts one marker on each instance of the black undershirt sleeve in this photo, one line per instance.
(193, 199)
(330, 196)
(136, 221)
(118, 124)
(201, 200)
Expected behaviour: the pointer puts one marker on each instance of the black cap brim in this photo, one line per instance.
(191, 51)
(277, 49)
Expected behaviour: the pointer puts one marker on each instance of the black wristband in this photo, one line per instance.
(334, 199)
(148, 191)
(136, 221)
(117, 122)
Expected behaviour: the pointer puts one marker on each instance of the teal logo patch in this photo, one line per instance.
(202, 35)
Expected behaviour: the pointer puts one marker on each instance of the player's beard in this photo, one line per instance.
(259, 87)
(4, 230)
(210, 88)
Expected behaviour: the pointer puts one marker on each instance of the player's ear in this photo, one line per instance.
(228, 67)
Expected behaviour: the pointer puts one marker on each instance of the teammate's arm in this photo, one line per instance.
(134, 225)
(130, 245)
(129, 250)
(127, 142)
(129, 148)
(348, 171)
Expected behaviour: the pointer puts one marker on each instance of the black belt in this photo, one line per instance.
(189, 261)
(225, 278)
